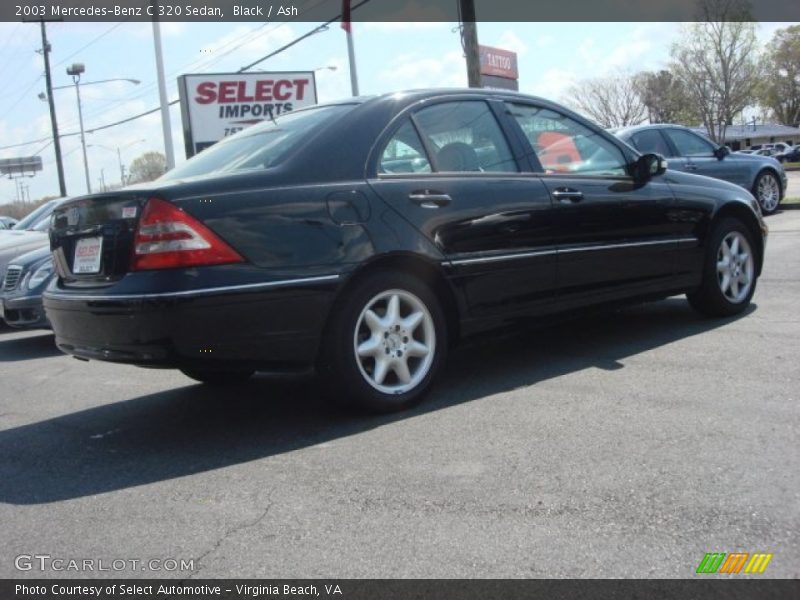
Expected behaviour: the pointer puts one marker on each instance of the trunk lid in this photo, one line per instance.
(92, 237)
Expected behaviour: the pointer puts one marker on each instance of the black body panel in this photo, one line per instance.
(265, 329)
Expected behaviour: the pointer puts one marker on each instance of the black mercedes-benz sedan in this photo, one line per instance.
(362, 238)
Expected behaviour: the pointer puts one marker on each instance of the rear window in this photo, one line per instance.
(260, 146)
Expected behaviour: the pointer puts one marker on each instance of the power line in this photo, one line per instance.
(149, 112)
(11, 75)
(11, 37)
(21, 96)
(95, 40)
(128, 120)
(35, 81)
(32, 142)
(302, 37)
(173, 102)
(67, 153)
(206, 62)
(147, 89)
(39, 151)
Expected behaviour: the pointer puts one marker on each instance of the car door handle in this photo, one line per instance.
(691, 167)
(567, 195)
(430, 199)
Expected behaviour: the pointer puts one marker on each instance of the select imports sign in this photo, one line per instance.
(214, 106)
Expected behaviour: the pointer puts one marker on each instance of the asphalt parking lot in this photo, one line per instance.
(623, 446)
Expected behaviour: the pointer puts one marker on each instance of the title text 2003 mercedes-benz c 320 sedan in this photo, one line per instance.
(364, 237)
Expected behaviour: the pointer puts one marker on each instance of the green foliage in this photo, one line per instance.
(665, 98)
(779, 90)
(147, 167)
(716, 62)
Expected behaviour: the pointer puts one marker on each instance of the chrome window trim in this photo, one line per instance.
(500, 257)
(627, 245)
(555, 251)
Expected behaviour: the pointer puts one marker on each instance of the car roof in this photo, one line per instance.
(403, 98)
(631, 129)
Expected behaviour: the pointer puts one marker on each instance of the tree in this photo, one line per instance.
(147, 167)
(610, 101)
(19, 210)
(665, 98)
(717, 64)
(780, 86)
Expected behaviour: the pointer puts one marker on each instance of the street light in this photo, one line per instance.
(118, 150)
(75, 70)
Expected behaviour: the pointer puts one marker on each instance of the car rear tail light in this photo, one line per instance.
(168, 237)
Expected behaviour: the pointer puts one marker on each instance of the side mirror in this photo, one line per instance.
(721, 152)
(650, 165)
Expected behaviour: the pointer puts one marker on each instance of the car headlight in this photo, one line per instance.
(41, 274)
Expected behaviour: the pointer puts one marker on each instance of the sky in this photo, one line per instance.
(389, 57)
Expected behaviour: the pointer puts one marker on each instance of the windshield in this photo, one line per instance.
(259, 146)
(33, 219)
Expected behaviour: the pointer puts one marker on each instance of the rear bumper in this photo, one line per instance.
(275, 326)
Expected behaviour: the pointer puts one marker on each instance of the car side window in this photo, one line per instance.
(651, 140)
(689, 144)
(564, 145)
(404, 153)
(465, 137)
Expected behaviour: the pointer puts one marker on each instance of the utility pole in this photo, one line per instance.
(121, 168)
(469, 41)
(62, 186)
(347, 25)
(162, 90)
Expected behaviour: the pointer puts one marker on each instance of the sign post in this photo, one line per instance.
(17, 168)
(214, 106)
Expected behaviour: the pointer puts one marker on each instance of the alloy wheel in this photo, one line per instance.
(394, 341)
(735, 267)
(769, 192)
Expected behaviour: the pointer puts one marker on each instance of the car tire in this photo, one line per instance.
(218, 377)
(767, 190)
(385, 343)
(729, 271)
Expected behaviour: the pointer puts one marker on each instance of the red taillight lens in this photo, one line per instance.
(167, 237)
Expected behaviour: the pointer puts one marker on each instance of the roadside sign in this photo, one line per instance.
(492, 82)
(23, 165)
(498, 68)
(214, 106)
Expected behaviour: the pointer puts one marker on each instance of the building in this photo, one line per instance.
(741, 137)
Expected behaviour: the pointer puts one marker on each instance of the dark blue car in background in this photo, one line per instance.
(21, 292)
(689, 151)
